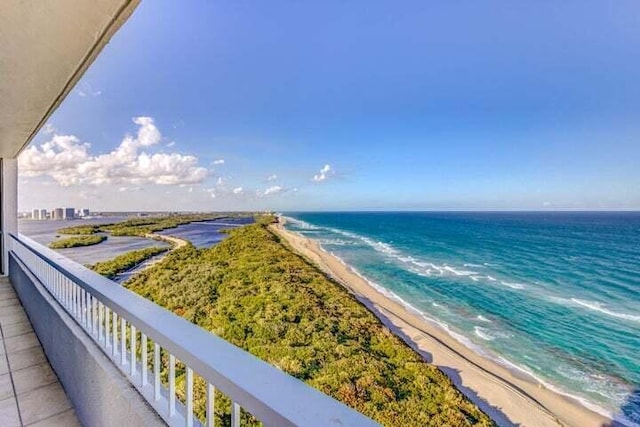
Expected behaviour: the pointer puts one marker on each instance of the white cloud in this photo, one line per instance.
(324, 173)
(273, 190)
(272, 177)
(171, 144)
(238, 190)
(218, 162)
(68, 161)
(86, 90)
(48, 128)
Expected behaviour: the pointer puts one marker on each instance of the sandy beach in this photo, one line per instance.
(506, 396)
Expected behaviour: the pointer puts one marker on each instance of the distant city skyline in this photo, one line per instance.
(351, 106)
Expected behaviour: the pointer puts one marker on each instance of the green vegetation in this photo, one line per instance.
(144, 225)
(126, 261)
(81, 229)
(254, 292)
(76, 241)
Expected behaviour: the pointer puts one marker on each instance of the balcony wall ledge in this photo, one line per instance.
(98, 391)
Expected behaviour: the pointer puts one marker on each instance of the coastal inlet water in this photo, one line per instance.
(201, 234)
(552, 295)
(44, 232)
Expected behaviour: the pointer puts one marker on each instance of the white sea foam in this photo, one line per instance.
(513, 285)
(586, 403)
(484, 333)
(472, 265)
(490, 334)
(481, 318)
(301, 224)
(599, 307)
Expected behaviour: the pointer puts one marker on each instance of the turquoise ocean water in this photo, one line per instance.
(555, 295)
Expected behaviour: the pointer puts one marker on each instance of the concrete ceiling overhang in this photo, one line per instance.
(45, 48)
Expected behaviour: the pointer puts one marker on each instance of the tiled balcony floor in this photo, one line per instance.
(30, 394)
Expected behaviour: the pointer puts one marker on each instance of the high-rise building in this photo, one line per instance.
(69, 213)
(43, 214)
(57, 213)
(84, 212)
(35, 214)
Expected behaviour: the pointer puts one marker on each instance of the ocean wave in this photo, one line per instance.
(335, 242)
(513, 285)
(469, 264)
(490, 334)
(557, 389)
(301, 224)
(594, 306)
(599, 307)
(481, 318)
(414, 265)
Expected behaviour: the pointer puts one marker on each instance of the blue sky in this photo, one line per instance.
(412, 105)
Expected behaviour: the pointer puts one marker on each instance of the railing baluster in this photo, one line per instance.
(74, 299)
(133, 357)
(82, 307)
(100, 320)
(235, 415)
(123, 341)
(156, 371)
(107, 326)
(172, 384)
(87, 311)
(94, 315)
(211, 403)
(143, 356)
(189, 398)
(114, 332)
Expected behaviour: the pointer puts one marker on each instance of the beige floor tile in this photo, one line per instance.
(9, 413)
(16, 329)
(25, 358)
(33, 377)
(7, 294)
(4, 366)
(10, 319)
(65, 419)
(6, 388)
(12, 309)
(21, 342)
(40, 404)
(10, 302)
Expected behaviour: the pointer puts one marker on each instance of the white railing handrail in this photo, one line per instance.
(269, 394)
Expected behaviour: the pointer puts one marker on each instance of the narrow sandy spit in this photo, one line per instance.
(507, 398)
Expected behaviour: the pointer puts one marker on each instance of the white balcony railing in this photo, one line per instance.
(120, 322)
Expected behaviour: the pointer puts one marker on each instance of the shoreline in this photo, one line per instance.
(509, 398)
(175, 243)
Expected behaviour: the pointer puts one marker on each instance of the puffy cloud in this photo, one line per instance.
(48, 128)
(238, 190)
(324, 173)
(218, 162)
(273, 190)
(272, 177)
(87, 90)
(67, 160)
